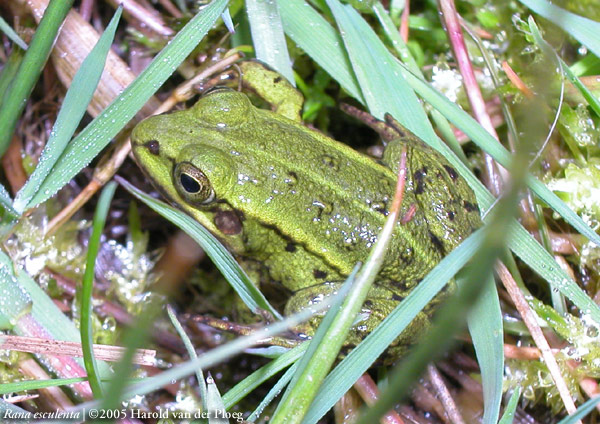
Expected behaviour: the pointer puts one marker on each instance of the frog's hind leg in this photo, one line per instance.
(379, 303)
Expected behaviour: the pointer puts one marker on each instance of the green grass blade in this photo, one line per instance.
(322, 350)
(358, 361)
(6, 204)
(73, 108)
(10, 70)
(319, 27)
(385, 91)
(511, 407)
(20, 301)
(214, 403)
(11, 34)
(453, 313)
(548, 50)
(582, 411)
(105, 126)
(483, 139)
(8, 388)
(217, 355)
(228, 266)
(189, 347)
(307, 28)
(16, 414)
(267, 36)
(87, 342)
(393, 36)
(582, 29)
(533, 254)
(273, 392)
(485, 327)
(15, 98)
(246, 386)
(43, 309)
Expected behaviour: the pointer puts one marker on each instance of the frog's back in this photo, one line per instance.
(330, 200)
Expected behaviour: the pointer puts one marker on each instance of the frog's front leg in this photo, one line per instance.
(273, 88)
(378, 305)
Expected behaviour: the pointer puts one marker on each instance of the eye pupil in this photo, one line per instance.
(189, 184)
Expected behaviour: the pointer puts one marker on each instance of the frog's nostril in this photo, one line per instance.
(153, 147)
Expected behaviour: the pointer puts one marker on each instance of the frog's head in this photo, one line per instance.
(187, 154)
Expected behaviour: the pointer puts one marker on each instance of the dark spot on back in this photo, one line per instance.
(277, 80)
(451, 171)
(319, 274)
(451, 215)
(470, 207)
(368, 303)
(153, 147)
(290, 247)
(397, 297)
(228, 222)
(436, 242)
(419, 177)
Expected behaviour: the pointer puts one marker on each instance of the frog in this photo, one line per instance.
(303, 208)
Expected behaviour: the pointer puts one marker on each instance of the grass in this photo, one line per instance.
(370, 65)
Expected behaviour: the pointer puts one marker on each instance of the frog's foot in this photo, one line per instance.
(384, 129)
(379, 303)
(289, 340)
(273, 88)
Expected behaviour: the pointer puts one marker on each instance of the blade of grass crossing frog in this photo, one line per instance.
(312, 33)
(269, 42)
(311, 18)
(234, 274)
(582, 29)
(485, 327)
(73, 108)
(105, 126)
(358, 361)
(378, 73)
(300, 392)
(10, 33)
(547, 48)
(511, 407)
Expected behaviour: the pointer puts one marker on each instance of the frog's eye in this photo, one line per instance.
(192, 184)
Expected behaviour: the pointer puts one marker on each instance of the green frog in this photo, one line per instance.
(304, 208)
